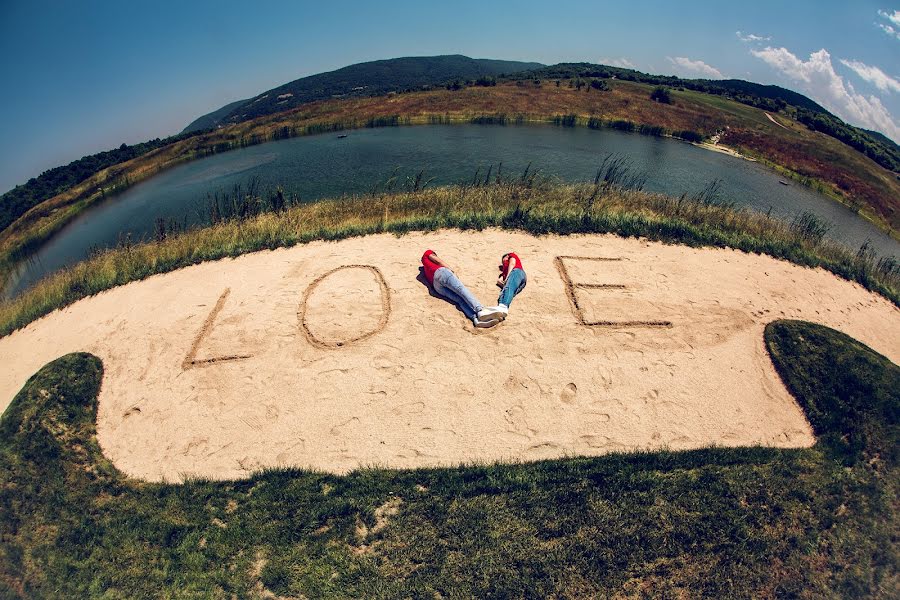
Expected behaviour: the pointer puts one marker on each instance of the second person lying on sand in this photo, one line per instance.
(511, 281)
(445, 283)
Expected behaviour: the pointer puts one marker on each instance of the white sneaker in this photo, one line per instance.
(484, 323)
(501, 311)
(491, 313)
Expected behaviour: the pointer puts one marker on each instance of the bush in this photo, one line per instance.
(688, 135)
(621, 125)
(661, 94)
(654, 130)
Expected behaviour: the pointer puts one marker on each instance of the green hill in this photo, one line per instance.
(210, 120)
(888, 142)
(763, 96)
(363, 79)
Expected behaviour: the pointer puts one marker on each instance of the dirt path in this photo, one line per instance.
(771, 118)
(333, 355)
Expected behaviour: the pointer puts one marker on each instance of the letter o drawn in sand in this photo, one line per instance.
(334, 312)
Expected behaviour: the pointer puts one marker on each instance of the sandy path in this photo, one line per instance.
(276, 378)
(771, 118)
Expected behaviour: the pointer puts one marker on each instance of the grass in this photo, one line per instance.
(719, 523)
(528, 203)
(814, 158)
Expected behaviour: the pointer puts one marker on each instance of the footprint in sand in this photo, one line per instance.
(288, 454)
(569, 393)
(513, 384)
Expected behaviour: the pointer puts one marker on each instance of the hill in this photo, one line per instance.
(767, 97)
(882, 138)
(812, 147)
(210, 120)
(374, 78)
(772, 97)
(378, 78)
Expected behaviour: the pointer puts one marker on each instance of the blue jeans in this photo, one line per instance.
(449, 286)
(515, 283)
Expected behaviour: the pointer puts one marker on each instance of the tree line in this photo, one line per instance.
(17, 201)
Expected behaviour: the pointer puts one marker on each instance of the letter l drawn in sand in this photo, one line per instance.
(190, 361)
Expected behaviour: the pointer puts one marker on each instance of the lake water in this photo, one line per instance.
(324, 166)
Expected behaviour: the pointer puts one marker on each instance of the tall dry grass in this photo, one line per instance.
(526, 202)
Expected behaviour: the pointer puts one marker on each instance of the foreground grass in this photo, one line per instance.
(526, 204)
(744, 522)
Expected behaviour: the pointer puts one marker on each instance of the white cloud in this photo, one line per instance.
(894, 18)
(889, 30)
(873, 75)
(819, 79)
(750, 37)
(695, 66)
(623, 63)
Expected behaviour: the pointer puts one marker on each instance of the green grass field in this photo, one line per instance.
(718, 523)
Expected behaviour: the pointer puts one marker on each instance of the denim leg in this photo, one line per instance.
(447, 284)
(514, 284)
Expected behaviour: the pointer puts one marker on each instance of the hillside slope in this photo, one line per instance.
(210, 120)
(360, 80)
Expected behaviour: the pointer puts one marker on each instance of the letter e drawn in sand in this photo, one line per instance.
(324, 341)
(190, 361)
(577, 309)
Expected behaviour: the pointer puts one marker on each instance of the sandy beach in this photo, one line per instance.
(334, 355)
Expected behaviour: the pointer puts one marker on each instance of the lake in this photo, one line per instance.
(325, 165)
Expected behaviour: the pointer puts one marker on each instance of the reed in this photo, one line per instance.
(529, 202)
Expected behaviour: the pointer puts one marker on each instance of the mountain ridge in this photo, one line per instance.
(372, 78)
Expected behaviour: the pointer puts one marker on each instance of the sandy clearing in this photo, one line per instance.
(771, 118)
(382, 373)
(716, 147)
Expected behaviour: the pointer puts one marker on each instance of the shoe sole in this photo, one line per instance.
(491, 315)
(487, 324)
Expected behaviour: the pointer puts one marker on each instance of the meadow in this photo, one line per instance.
(737, 523)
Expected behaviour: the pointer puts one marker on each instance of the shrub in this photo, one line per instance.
(654, 130)
(688, 135)
(622, 125)
(661, 94)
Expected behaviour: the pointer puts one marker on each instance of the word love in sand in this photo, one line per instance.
(571, 288)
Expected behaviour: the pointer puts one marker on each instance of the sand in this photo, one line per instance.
(333, 355)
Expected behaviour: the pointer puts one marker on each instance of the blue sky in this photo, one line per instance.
(83, 76)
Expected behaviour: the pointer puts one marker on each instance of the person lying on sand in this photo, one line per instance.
(512, 280)
(448, 285)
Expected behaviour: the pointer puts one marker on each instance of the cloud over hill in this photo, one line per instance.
(818, 78)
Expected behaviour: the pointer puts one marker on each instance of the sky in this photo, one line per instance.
(81, 76)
